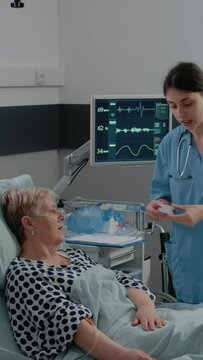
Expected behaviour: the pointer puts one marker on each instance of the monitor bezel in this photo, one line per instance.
(93, 99)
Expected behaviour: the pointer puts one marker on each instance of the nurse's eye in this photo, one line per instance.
(187, 104)
(173, 106)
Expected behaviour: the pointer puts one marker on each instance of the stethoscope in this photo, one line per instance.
(189, 142)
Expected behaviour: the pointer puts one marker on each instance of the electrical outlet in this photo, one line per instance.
(40, 78)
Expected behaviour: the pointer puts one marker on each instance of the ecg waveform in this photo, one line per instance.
(134, 130)
(134, 154)
(139, 108)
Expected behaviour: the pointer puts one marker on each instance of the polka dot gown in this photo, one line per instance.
(43, 318)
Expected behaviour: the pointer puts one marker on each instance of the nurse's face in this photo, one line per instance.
(187, 107)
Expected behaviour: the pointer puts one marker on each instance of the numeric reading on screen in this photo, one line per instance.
(128, 130)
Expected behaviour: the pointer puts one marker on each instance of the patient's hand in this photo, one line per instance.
(147, 316)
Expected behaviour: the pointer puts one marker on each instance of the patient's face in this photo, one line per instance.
(48, 223)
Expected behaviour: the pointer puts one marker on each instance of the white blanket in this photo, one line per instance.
(180, 339)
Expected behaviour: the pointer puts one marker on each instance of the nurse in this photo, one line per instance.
(178, 181)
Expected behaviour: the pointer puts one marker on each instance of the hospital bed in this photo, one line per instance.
(9, 249)
(167, 294)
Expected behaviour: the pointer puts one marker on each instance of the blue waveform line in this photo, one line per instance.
(134, 154)
(134, 130)
(139, 108)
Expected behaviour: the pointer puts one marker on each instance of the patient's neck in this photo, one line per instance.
(48, 254)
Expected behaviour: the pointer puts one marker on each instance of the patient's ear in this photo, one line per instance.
(27, 222)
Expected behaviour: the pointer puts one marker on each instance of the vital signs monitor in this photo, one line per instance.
(127, 129)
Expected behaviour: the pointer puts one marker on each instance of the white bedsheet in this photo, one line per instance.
(181, 338)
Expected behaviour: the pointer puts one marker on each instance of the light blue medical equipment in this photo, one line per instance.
(180, 171)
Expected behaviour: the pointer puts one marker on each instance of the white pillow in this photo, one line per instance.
(9, 246)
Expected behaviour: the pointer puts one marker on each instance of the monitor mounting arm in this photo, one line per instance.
(73, 163)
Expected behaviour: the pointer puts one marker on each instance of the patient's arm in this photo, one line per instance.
(100, 347)
(130, 282)
(146, 313)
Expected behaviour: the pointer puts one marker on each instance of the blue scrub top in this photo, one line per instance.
(185, 248)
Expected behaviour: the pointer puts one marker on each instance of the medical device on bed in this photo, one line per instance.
(127, 129)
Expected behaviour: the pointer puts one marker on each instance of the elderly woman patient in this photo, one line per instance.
(61, 300)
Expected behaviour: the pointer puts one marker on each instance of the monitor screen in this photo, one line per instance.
(127, 129)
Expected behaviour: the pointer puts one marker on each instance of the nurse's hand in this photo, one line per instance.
(152, 209)
(191, 215)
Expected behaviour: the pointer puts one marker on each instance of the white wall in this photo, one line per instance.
(42, 166)
(125, 47)
(29, 38)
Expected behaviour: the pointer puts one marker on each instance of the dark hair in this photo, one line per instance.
(185, 76)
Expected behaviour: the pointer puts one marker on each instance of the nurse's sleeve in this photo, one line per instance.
(160, 188)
